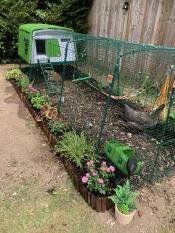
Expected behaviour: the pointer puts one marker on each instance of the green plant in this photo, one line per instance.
(58, 126)
(23, 81)
(13, 74)
(48, 112)
(76, 148)
(102, 85)
(124, 197)
(31, 92)
(97, 179)
(38, 101)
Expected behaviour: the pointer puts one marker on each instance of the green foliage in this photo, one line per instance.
(23, 81)
(14, 73)
(97, 179)
(66, 13)
(58, 126)
(38, 101)
(76, 148)
(102, 85)
(124, 197)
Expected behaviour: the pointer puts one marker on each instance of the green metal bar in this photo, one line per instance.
(79, 79)
(118, 76)
(116, 70)
(62, 80)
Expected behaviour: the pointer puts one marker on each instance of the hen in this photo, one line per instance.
(142, 120)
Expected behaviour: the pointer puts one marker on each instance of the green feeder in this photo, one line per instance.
(122, 157)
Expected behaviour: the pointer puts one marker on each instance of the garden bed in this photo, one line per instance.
(98, 202)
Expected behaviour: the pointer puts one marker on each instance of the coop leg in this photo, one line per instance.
(30, 74)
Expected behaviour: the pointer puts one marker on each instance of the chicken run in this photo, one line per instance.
(116, 91)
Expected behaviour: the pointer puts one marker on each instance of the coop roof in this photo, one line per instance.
(35, 27)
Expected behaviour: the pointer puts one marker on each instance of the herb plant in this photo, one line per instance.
(97, 180)
(76, 148)
(124, 197)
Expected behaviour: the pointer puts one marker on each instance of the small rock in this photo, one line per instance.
(140, 213)
(88, 125)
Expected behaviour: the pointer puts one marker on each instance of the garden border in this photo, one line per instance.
(100, 204)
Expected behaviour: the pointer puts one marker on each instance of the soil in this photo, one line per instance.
(26, 156)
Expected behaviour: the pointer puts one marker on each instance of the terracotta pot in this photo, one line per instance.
(123, 219)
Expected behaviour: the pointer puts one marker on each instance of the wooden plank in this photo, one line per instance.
(136, 15)
(148, 21)
(169, 37)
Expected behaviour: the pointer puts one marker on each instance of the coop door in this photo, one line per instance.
(53, 48)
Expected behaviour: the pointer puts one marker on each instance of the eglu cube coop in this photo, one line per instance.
(114, 91)
(43, 45)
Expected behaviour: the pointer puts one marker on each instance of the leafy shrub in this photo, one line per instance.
(76, 148)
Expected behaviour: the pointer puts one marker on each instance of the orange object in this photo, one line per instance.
(163, 99)
(174, 84)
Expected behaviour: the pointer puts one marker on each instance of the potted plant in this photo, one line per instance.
(125, 207)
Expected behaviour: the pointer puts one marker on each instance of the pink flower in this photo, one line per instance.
(37, 91)
(108, 169)
(27, 89)
(91, 170)
(104, 163)
(30, 87)
(100, 181)
(90, 162)
(94, 174)
(87, 175)
(31, 92)
(102, 168)
(84, 179)
(112, 168)
(34, 89)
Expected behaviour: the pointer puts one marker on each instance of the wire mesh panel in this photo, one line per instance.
(120, 91)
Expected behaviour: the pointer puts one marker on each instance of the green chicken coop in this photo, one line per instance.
(43, 46)
(40, 42)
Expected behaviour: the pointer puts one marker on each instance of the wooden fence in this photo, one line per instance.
(145, 21)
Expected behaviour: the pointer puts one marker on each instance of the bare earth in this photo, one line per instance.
(26, 157)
